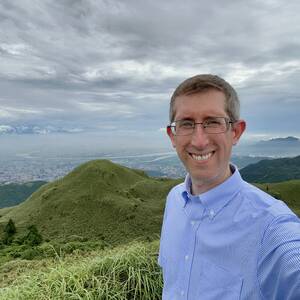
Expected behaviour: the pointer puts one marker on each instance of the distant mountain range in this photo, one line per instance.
(276, 147)
(35, 129)
(290, 140)
(274, 170)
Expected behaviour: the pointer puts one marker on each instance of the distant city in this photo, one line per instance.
(29, 168)
(24, 167)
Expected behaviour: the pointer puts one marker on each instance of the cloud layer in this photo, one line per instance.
(112, 65)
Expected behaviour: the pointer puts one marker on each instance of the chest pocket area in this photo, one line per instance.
(217, 283)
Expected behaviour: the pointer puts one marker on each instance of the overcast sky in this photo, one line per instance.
(111, 66)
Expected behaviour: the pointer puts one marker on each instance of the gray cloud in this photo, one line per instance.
(113, 64)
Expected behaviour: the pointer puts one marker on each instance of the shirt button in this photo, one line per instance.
(192, 223)
(181, 292)
(211, 213)
(186, 257)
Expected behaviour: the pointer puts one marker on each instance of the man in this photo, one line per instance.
(222, 238)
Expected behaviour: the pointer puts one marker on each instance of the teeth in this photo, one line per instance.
(202, 157)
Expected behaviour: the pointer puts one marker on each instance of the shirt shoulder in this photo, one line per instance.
(278, 265)
(176, 192)
(261, 202)
(278, 261)
(177, 189)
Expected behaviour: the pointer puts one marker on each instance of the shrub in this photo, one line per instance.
(10, 228)
(9, 231)
(33, 237)
(31, 253)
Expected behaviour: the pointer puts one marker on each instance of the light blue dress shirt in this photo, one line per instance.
(232, 242)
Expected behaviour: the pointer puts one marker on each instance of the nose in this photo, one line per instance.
(199, 137)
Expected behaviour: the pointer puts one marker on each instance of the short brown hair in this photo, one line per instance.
(202, 83)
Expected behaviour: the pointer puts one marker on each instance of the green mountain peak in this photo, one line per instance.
(98, 199)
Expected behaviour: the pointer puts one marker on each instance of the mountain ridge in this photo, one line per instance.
(275, 170)
(289, 139)
(98, 199)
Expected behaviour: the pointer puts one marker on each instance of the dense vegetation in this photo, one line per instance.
(82, 219)
(14, 193)
(288, 191)
(275, 170)
(126, 272)
(89, 235)
(98, 200)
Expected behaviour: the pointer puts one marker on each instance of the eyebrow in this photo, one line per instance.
(205, 118)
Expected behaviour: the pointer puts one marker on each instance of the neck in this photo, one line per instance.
(201, 186)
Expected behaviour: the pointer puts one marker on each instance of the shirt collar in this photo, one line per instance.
(218, 197)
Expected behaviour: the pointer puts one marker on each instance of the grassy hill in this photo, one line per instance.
(288, 191)
(125, 272)
(14, 193)
(103, 203)
(98, 200)
(275, 170)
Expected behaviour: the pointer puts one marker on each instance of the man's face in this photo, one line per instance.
(205, 156)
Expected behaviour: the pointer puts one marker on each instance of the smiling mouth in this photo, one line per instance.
(202, 157)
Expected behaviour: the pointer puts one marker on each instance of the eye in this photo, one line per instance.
(213, 122)
(185, 124)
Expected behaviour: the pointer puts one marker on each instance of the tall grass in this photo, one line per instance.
(128, 272)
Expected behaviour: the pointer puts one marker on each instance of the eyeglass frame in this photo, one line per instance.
(228, 121)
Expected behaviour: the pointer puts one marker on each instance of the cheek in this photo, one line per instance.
(228, 148)
(179, 142)
(181, 150)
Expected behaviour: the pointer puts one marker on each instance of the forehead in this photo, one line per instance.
(204, 104)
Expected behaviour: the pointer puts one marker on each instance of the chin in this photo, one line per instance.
(210, 178)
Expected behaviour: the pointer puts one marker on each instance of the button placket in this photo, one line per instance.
(195, 214)
(211, 214)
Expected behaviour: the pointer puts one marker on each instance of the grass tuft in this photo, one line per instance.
(127, 272)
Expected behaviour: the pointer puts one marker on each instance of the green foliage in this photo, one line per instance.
(83, 215)
(7, 240)
(14, 193)
(47, 250)
(10, 228)
(97, 200)
(288, 191)
(9, 232)
(33, 237)
(272, 170)
(16, 251)
(276, 195)
(31, 253)
(129, 272)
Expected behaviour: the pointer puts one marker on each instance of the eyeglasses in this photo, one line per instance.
(211, 125)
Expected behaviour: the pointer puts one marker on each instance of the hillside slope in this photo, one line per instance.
(288, 191)
(14, 193)
(98, 199)
(275, 170)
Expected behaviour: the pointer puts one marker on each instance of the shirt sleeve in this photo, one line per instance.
(162, 233)
(279, 260)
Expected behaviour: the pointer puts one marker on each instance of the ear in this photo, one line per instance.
(171, 136)
(237, 130)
